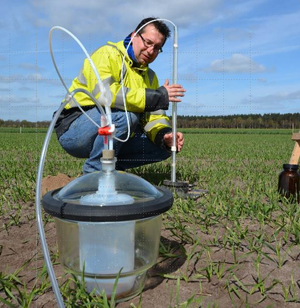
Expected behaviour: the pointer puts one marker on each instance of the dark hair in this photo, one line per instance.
(159, 25)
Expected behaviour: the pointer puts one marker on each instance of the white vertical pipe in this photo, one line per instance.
(174, 107)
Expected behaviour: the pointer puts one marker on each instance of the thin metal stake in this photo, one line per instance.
(174, 107)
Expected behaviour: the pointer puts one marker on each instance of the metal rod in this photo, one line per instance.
(174, 107)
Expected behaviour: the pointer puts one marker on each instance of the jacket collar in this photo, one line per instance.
(122, 49)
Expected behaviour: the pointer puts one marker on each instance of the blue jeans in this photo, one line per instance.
(82, 140)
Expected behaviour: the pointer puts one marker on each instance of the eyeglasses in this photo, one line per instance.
(147, 44)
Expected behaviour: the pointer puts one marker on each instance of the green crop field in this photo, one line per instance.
(237, 246)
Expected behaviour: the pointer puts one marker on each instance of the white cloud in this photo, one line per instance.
(83, 17)
(233, 34)
(59, 96)
(272, 34)
(277, 101)
(238, 63)
(278, 97)
(275, 34)
(24, 88)
(29, 78)
(29, 66)
(235, 9)
(12, 100)
(9, 79)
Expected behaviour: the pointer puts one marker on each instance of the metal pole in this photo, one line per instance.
(174, 107)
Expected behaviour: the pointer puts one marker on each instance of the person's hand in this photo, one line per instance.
(174, 90)
(168, 138)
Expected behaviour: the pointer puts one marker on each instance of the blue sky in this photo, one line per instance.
(234, 57)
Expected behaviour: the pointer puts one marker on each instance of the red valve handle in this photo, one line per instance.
(104, 131)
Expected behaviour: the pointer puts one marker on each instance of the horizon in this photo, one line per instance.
(209, 116)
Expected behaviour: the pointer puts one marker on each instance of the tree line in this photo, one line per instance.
(268, 120)
(24, 124)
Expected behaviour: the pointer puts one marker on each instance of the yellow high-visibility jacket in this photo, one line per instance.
(142, 91)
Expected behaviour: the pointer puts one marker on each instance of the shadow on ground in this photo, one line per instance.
(166, 265)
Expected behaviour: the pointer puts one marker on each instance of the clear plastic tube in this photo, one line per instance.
(79, 106)
(39, 216)
(105, 97)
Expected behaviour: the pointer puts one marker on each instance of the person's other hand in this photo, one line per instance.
(180, 140)
(174, 90)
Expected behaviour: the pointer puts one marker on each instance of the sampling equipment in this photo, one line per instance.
(108, 222)
(183, 189)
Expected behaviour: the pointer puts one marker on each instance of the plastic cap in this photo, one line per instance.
(108, 154)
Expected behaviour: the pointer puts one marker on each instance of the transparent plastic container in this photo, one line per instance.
(107, 252)
(108, 223)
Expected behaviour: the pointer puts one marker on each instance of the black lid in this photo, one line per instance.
(107, 213)
(292, 167)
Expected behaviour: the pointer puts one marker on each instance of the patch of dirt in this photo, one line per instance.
(53, 182)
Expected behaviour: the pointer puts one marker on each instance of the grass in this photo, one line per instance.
(242, 239)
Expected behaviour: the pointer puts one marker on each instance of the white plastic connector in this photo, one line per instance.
(173, 149)
(68, 98)
(112, 128)
(103, 121)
